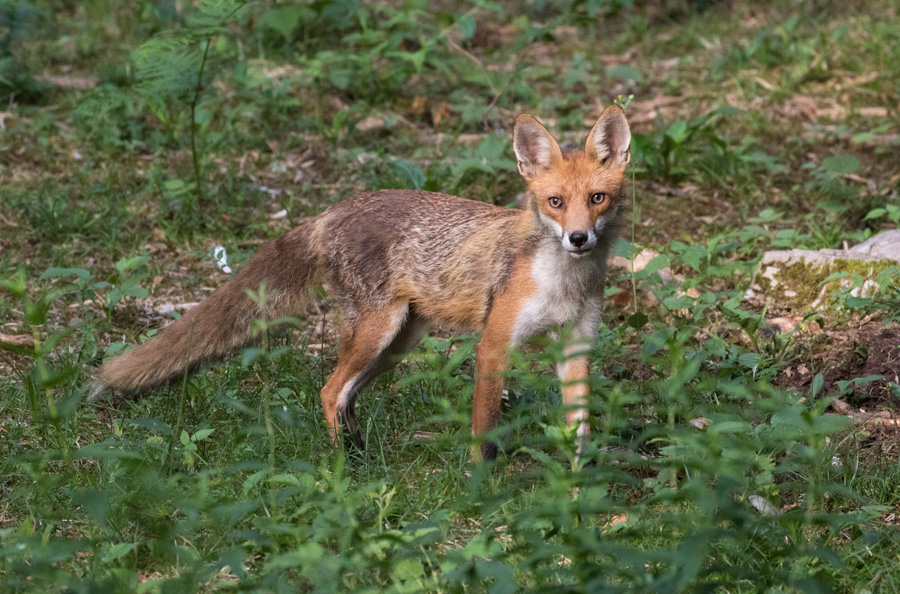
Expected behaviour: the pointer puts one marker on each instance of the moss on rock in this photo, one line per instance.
(796, 279)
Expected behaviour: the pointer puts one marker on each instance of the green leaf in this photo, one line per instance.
(467, 25)
(117, 550)
(678, 131)
(81, 273)
(730, 427)
(184, 438)
(830, 424)
(750, 360)
(683, 302)
(174, 186)
(409, 569)
(304, 554)
(138, 292)
(250, 355)
(202, 116)
(254, 479)
(286, 19)
(341, 76)
(624, 248)
(409, 173)
(103, 451)
(115, 347)
(637, 320)
(859, 302)
(693, 256)
(655, 265)
(126, 264)
(867, 136)
(625, 72)
(492, 147)
(16, 285)
(875, 213)
(841, 164)
(834, 276)
(36, 312)
(54, 339)
(817, 384)
(302, 480)
(202, 434)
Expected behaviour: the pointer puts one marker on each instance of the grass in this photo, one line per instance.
(718, 464)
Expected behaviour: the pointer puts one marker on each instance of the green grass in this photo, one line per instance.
(114, 197)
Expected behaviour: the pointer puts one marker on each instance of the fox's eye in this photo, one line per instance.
(555, 202)
(598, 198)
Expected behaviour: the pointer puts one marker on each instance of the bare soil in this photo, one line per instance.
(858, 349)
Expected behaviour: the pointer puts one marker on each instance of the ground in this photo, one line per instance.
(735, 445)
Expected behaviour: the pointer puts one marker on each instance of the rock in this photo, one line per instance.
(763, 505)
(796, 279)
(641, 260)
(883, 245)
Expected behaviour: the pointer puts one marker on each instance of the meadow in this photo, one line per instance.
(148, 147)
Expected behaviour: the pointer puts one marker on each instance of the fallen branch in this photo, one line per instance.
(16, 342)
(881, 417)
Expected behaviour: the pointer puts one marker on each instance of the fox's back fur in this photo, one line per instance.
(446, 255)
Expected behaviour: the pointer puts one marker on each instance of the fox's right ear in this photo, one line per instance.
(610, 139)
(536, 150)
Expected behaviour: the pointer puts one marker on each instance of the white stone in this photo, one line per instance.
(883, 245)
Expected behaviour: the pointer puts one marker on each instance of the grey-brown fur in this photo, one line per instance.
(369, 248)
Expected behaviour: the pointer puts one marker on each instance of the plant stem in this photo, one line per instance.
(633, 224)
(201, 191)
(182, 396)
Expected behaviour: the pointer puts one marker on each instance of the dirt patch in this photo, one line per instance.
(854, 353)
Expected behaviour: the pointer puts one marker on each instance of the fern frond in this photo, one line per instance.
(212, 14)
(171, 71)
(169, 63)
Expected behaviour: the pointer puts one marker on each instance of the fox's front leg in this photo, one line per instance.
(574, 374)
(492, 358)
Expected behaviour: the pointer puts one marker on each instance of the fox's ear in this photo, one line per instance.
(610, 139)
(536, 150)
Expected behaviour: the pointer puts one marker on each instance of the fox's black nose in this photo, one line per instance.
(578, 238)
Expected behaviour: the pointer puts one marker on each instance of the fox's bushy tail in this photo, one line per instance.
(289, 267)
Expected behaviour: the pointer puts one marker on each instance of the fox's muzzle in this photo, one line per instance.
(579, 243)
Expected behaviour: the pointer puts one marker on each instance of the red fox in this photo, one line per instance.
(397, 259)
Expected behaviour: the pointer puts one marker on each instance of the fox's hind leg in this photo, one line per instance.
(377, 341)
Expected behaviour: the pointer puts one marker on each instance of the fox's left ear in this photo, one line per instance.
(609, 142)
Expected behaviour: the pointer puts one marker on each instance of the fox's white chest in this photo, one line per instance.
(564, 284)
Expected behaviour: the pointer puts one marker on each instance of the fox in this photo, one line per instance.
(397, 261)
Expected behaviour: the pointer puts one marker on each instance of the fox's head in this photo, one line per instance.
(578, 194)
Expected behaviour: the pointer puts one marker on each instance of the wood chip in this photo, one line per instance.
(424, 435)
(765, 84)
(69, 82)
(615, 520)
(700, 422)
(370, 123)
(875, 112)
(870, 183)
(841, 406)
